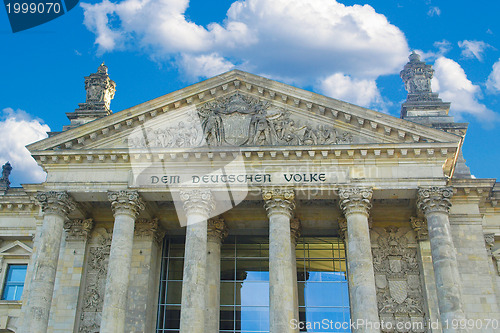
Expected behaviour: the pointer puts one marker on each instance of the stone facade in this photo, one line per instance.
(242, 155)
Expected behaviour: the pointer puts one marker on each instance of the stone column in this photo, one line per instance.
(279, 204)
(435, 203)
(198, 205)
(126, 206)
(295, 232)
(69, 275)
(217, 232)
(55, 207)
(356, 203)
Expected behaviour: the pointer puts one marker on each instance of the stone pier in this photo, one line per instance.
(356, 203)
(279, 204)
(126, 206)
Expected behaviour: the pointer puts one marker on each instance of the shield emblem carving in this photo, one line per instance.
(236, 126)
(395, 264)
(398, 289)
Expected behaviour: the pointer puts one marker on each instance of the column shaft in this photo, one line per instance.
(198, 205)
(279, 206)
(126, 206)
(355, 202)
(56, 206)
(435, 203)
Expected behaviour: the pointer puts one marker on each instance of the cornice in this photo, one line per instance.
(439, 151)
(276, 92)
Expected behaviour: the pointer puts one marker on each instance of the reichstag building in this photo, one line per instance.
(240, 204)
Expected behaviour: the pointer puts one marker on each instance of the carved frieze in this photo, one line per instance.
(397, 277)
(238, 120)
(95, 280)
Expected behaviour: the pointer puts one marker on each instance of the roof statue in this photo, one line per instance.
(100, 90)
(4, 181)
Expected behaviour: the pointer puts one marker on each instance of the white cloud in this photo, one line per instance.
(493, 82)
(434, 11)
(473, 49)
(20, 129)
(453, 86)
(300, 40)
(205, 65)
(361, 92)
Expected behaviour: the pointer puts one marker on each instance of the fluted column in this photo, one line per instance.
(435, 203)
(126, 206)
(198, 205)
(279, 204)
(356, 203)
(55, 207)
(217, 232)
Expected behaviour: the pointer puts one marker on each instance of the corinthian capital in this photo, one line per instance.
(198, 202)
(126, 202)
(217, 229)
(420, 227)
(355, 200)
(279, 201)
(78, 229)
(434, 199)
(59, 203)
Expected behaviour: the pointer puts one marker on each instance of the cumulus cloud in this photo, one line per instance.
(361, 92)
(453, 86)
(20, 129)
(296, 39)
(493, 82)
(473, 49)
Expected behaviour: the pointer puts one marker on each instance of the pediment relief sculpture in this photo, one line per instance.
(237, 120)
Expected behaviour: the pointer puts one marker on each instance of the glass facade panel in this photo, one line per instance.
(244, 290)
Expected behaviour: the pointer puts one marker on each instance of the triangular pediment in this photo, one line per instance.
(15, 248)
(238, 109)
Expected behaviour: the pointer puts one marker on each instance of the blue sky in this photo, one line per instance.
(350, 50)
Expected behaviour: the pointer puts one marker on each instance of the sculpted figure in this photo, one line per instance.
(259, 132)
(213, 128)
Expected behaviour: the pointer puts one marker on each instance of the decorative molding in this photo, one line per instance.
(419, 225)
(78, 229)
(149, 228)
(355, 200)
(53, 202)
(295, 230)
(217, 229)
(434, 199)
(198, 202)
(279, 201)
(489, 240)
(126, 202)
(397, 277)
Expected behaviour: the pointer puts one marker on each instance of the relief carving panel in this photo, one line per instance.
(238, 120)
(95, 280)
(397, 278)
